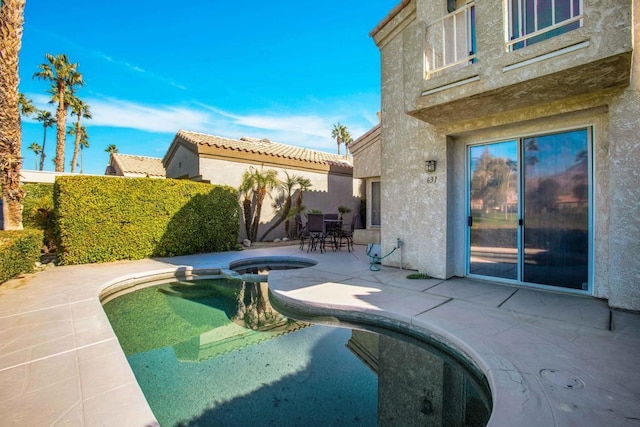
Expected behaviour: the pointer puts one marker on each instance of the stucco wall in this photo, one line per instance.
(413, 211)
(367, 158)
(624, 261)
(327, 192)
(183, 162)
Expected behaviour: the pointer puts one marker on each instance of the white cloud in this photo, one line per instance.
(311, 129)
(118, 113)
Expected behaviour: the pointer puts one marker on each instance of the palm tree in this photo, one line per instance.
(11, 27)
(297, 205)
(37, 149)
(26, 105)
(80, 109)
(64, 77)
(347, 139)
(287, 188)
(254, 188)
(84, 143)
(27, 109)
(341, 135)
(111, 149)
(48, 121)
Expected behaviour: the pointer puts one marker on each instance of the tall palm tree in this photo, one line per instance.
(287, 188)
(347, 139)
(341, 135)
(27, 109)
(37, 149)
(111, 149)
(80, 109)
(64, 77)
(84, 143)
(11, 28)
(255, 186)
(47, 121)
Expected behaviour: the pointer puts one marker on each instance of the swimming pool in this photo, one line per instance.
(216, 352)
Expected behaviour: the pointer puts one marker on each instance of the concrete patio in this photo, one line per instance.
(551, 359)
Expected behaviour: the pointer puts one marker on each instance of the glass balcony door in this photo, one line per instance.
(529, 210)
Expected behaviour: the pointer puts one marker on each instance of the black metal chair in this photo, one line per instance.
(315, 228)
(301, 231)
(345, 234)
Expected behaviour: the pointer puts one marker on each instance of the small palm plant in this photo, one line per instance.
(343, 210)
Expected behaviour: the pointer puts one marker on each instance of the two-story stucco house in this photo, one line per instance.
(510, 142)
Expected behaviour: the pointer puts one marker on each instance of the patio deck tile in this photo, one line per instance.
(61, 364)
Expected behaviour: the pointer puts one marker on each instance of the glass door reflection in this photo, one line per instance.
(556, 209)
(493, 210)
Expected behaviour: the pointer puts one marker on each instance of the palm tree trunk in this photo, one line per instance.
(11, 27)
(248, 218)
(261, 194)
(76, 146)
(284, 215)
(61, 118)
(44, 143)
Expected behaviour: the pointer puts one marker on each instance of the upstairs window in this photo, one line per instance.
(451, 40)
(531, 21)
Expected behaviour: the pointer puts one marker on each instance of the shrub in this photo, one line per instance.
(19, 251)
(102, 219)
(38, 212)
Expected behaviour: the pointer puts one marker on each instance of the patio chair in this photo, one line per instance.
(345, 234)
(301, 231)
(331, 230)
(315, 228)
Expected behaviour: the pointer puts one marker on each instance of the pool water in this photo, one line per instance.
(214, 352)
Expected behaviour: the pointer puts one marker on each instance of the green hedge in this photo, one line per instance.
(19, 251)
(102, 219)
(38, 212)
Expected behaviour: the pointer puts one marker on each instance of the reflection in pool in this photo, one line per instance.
(215, 352)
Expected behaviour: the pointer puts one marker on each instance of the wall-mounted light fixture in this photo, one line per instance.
(430, 165)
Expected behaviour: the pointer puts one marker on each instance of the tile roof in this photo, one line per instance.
(264, 146)
(151, 166)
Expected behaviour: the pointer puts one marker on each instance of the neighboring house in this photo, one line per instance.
(366, 166)
(511, 141)
(219, 160)
(135, 166)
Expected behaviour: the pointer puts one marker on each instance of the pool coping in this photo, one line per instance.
(79, 375)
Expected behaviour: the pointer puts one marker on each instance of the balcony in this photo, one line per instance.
(526, 57)
(451, 41)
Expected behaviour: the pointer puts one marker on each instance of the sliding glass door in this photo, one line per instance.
(493, 216)
(529, 212)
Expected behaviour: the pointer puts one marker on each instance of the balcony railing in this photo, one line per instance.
(451, 41)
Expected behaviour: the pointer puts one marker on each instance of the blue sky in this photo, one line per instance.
(282, 70)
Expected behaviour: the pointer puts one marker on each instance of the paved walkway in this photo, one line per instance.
(551, 359)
